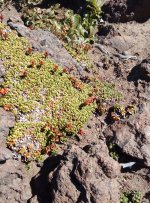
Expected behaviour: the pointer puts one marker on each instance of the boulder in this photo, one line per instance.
(133, 136)
(14, 183)
(83, 175)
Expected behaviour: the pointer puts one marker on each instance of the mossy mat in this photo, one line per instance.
(45, 98)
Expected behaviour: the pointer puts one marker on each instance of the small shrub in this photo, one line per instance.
(77, 30)
(131, 197)
(113, 152)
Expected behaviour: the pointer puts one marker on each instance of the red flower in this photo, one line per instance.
(76, 83)
(42, 62)
(58, 133)
(4, 91)
(32, 63)
(69, 126)
(5, 35)
(24, 73)
(81, 132)
(29, 51)
(89, 100)
(1, 18)
(72, 68)
(7, 107)
(46, 54)
(53, 146)
(65, 70)
(55, 67)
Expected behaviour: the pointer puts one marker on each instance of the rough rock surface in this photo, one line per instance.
(128, 37)
(126, 10)
(5, 154)
(14, 184)
(7, 120)
(121, 43)
(133, 136)
(145, 69)
(82, 176)
(13, 179)
(141, 72)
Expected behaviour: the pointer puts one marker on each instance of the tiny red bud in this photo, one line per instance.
(55, 67)
(81, 132)
(64, 70)
(29, 51)
(4, 91)
(7, 107)
(24, 74)
(42, 62)
(72, 68)
(89, 100)
(1, 18)
(32, 63)
(46, 54)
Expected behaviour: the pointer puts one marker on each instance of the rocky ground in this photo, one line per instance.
(85, 171)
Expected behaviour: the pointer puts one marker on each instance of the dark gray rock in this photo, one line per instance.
(20, 28)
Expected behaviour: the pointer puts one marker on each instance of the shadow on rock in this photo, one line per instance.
(134, 75)
(126, 10)
(141, 71)
(71, 4)
(40, 183)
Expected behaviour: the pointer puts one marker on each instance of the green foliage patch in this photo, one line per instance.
(112, 151)
(44, 97)
(77, 30)
(131, 197)
(49, 103)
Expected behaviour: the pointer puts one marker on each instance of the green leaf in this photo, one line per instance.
(75, 20)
